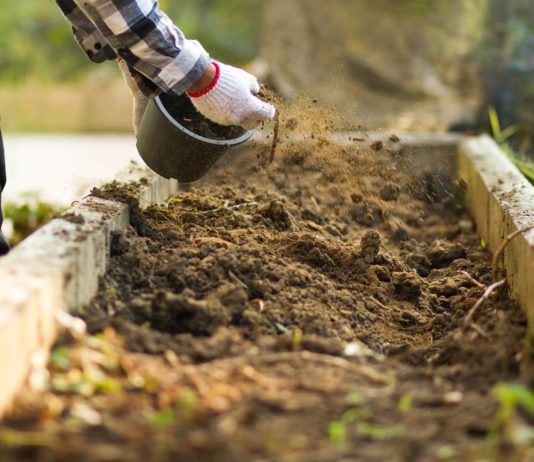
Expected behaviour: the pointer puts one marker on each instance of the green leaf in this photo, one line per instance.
(355, 399)
(376, 432)
(60, 358)
(162, 419)
(337, 432)
(405, 404)
(108, 385)
(508, 132)
(522, 396)
(494, 122)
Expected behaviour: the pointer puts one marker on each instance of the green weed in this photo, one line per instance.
(378, 433)
(29, 216)
(501, 137)
(508, 425)
(358, 421)
(163, 419)
(405, 404)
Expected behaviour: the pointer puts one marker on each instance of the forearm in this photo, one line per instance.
(155, 56)
(141, 34)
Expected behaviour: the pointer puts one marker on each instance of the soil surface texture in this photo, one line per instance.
(308, 309)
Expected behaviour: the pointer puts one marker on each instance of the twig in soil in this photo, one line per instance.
(235, 279)
(315, 204)
(485, 296)
(261, 379)
(473, 280)
(379, 303)
(166, 218)
(275, 136)
(500, 251)
(365, 372)
(479, 330)
(197, 380)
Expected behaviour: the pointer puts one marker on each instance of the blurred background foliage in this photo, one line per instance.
(409, 65)
(47, 84)
(37, 44)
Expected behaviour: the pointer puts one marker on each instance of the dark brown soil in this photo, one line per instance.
(306, 310)
(181, 109)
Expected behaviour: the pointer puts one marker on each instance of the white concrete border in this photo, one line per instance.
(501, 200)
(58, 268)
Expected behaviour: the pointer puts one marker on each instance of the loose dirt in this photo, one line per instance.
(309, 309)
(183, 111)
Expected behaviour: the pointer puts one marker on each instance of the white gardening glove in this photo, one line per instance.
(140, 101)
(230, 99)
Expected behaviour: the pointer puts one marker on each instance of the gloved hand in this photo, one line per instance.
(140, 101)
(230, 100)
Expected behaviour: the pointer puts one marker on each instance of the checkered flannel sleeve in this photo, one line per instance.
(141, 34)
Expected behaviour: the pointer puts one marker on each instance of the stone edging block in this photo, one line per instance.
(501, 201)
(58, 268)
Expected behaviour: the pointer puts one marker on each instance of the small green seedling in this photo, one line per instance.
(29, 215)
(378, 433)
(501, 136)
(186, 403)
(338, 429)
(162, 419)
(60, 358)
(507, 425)
(337, 432)
(355, 399)
(405, 404)
(357, 420)
(446, 453)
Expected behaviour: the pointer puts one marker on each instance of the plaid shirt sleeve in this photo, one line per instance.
(87, 35)
(141, 34)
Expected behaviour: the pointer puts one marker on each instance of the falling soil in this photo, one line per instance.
(183, 111)
(311, 309)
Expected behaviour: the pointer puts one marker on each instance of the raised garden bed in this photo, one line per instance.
(311, 309)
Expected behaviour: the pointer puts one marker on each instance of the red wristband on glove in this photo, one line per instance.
(211, 85)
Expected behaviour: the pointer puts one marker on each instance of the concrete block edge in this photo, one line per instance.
(58, 268)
